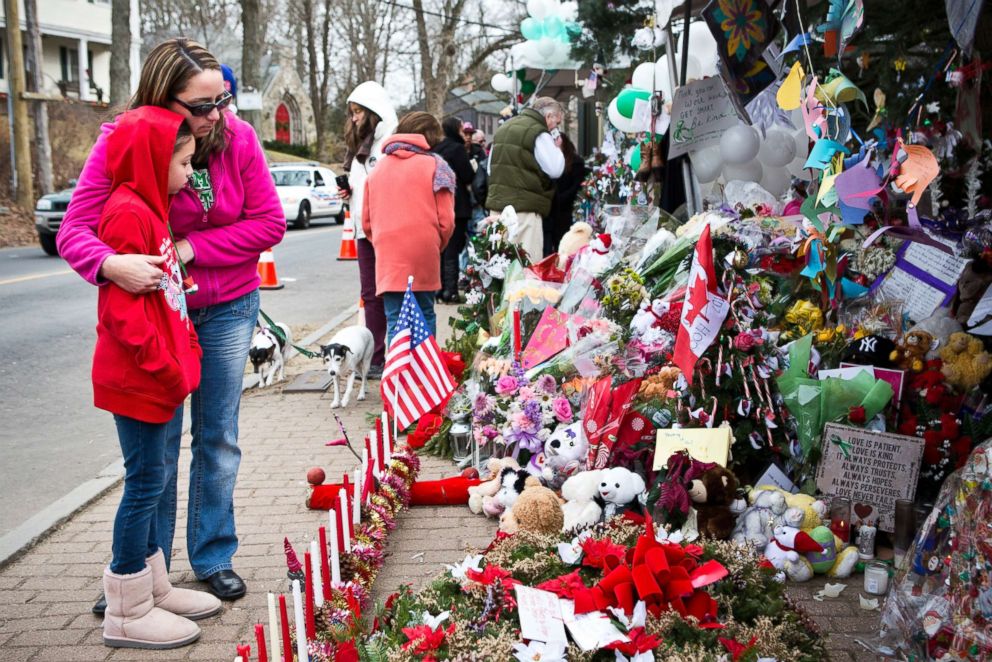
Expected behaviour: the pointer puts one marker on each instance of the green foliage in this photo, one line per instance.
(303, 151)
(608, 28)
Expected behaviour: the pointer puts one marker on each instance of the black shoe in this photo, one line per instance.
(226, 585)
(375, 372)
(100, 606)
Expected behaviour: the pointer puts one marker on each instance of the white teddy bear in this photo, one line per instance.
(620, 490)
(645, 325)
(594, 258)
(756, 525)
(564, 454)
(580, 508)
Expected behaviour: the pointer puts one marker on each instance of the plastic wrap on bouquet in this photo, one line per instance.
(940, 606)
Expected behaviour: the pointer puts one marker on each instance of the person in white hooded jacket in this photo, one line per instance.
(371, 119)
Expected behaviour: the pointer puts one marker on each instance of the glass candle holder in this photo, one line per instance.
(461, 440)
(905, 530)
(840, 518)
(876, 578)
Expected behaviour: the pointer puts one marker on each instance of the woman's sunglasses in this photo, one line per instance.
(204, 109)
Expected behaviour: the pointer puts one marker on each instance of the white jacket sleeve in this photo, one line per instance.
(548, 156)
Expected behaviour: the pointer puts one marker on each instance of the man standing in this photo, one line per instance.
(524, 159)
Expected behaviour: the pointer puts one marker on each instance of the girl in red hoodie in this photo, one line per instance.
(146, 362)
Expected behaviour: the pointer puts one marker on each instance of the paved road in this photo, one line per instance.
(51, 437)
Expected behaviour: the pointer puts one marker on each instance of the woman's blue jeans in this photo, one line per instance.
(224, 331)
(135, 526)
(393, 301)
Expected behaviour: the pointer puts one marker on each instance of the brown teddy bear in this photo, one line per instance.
(711, 494)
(966, 363)
(911, 350)
(537, 509)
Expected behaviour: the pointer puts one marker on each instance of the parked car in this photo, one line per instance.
(307, 190)
(48, 213)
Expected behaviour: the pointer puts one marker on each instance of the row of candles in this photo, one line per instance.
(322, 568)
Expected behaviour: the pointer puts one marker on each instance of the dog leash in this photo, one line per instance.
(282, 336)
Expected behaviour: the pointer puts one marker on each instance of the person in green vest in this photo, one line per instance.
(525, 159)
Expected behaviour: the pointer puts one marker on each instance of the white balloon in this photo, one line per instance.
(776, 181)
(777, 149)
(501, 83)
(802, 144)
(796, 170)
(702, 46)
(796, 116)
(739, 144)
(706, 163)
(619, 121)
(537, 8)
(567, 11)
(643, 77)
(663, 81)
(546, 46)
(744, 172)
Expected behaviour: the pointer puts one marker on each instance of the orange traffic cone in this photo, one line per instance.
(349, 250)
(267, 271)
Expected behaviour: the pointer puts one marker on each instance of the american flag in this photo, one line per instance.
(415, 379)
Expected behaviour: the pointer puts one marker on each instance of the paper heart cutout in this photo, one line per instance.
(863, 510)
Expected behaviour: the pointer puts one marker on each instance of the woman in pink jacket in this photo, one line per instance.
(409, 215)
(225, 217)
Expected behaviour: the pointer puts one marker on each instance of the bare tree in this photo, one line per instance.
(120, 52)
(253, 42)
(206, 21)
(39, 109)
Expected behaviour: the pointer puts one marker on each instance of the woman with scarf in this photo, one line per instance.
(409, 214)
(371, 119)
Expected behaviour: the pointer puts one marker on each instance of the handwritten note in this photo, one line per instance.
(935, 262)
(704, 444)
(775, 477)
(923, 278)
(701, 112)
(871, 468)
(920, 299)
(540, 615)
(590, 631)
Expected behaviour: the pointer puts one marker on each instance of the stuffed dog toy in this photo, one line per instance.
(349, 353)
(268, 354)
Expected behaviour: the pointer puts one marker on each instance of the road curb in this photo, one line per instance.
(21, 539)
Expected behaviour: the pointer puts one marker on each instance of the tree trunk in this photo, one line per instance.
(120, 53)
(251, 52)
(39, 109)
(24, 190)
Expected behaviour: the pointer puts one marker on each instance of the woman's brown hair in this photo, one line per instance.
(166, 72)
(423, 123)
(354, 134)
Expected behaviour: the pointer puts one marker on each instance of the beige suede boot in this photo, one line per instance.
(133, 621)
(184, 602)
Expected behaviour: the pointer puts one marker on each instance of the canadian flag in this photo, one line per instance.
(703, 312)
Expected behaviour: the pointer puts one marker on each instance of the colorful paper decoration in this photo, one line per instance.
(743, 30)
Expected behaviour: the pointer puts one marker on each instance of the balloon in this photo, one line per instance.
(796, 169)
(622, 123)
(643, 76)
(635, 158)
(546, 46)
(777, 149)
(554, 27)
(531, 28)
(802, 144)
(745, 172)
(528, 87)
(776, 181)
(627, 100)
(702, 46)
(739, 144)
(693, 69)
(501, 83)
(521, 74)
(539, 9)
(706, 163)
(796, 117)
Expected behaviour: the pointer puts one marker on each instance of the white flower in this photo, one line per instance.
(435, 621)
(474, 297)
(646, 656)
(470, 563)
(537, 651)
(636, 619)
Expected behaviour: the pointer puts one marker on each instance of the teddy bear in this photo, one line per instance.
(537, 509)
(787, 550)
(646, 325)
(803, 511)
(620, 490)
(966, 363)
(572, 241)
(836, 559)
(580, 508)
(594, 258)
(512, 484)
(712, 494)
(756, 525)
(564, 454)
(911, 350)
(483, 493)
(941, 325)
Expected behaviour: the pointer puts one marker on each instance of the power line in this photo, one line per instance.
(466, 21)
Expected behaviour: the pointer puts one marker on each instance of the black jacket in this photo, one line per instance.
(559, 220)
(452, 150)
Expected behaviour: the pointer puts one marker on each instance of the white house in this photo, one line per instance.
(75, 41)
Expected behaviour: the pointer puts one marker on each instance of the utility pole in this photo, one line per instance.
(39, 109)
(24, 193)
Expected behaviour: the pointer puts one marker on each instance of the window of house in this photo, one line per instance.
(69, 59)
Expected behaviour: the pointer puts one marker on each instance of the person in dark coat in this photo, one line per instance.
(453, 150)
(559, 220)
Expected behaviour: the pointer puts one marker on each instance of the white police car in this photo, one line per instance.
(307, 190)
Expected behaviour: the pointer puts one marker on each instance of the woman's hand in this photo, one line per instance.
(137, 274)
(185, 250)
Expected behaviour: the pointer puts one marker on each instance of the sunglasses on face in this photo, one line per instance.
(204, 109)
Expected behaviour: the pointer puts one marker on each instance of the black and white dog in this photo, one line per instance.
(268, 354)
(348, 353)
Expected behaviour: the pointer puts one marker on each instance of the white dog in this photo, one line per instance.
(348, 353)
(268, 354)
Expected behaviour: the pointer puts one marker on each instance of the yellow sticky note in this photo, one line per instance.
(704, 444)
(788, 95)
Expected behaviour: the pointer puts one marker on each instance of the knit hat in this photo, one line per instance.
(230, 82)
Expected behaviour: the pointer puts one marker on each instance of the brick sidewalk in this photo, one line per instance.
(46, 595)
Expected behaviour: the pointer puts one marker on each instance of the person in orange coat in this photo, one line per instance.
(409, 215)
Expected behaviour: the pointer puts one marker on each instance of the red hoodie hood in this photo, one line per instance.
(139, 151)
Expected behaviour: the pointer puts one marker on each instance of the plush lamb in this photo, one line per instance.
(620, 490)
(564, 454)
(756, 525)
(512, 484)
(483, 493)
(580, 492)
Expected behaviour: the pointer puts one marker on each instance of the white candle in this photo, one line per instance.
(275, 647)
(301, 628)
(357, 500)
(318, 579)
(332, 535)
(365, 466)
(342, 518)
(876, 578)
(374, 438)
(389, 437)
